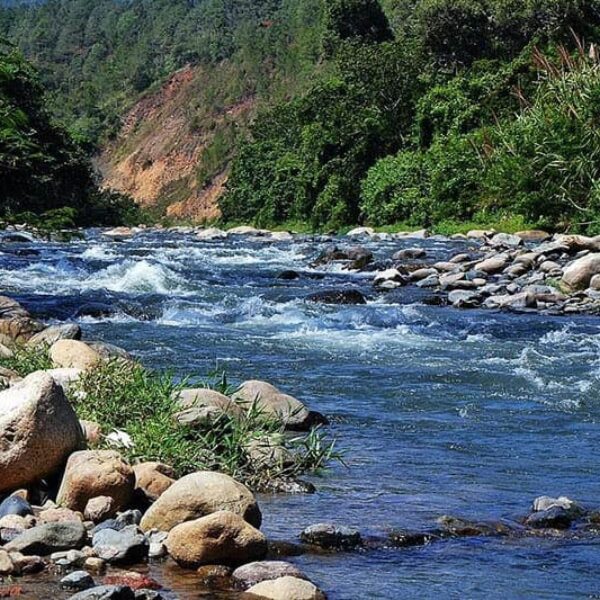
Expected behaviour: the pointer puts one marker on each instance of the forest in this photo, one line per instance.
(416, 113)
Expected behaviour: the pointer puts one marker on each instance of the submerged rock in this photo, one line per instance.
(330, 536)
(552, 518)
(255, 572)
(337, 297)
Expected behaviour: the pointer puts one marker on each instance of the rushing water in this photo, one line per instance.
(439, 411)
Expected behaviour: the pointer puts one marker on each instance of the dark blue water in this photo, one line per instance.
(439, 411)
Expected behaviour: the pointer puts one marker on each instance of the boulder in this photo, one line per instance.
(73, 354)
(200, 494)
(54, 333)
(212, 233)
(286, 588)
(555, 517)
(578, 275)
(577, 243)
(492, 265)
(48, 538)
(64, 377)
(409, 254)
(274, 404)
(100, 508)
(505, 240)
(330, 536)
(110, 351)
(337, 297)
(512, 301)
(361, 232)
(248, 575)
(247, 230)
(38, 430)
(118, 233)
(464, 298)
(544, 503)
(152, 479)
(478, 234)
(126, 546)
(16, 324)
(220, 538)
(201, 406)
(533, 235)
(106, 592)
(93, 473)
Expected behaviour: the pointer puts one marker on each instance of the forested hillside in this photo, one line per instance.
(416, 111)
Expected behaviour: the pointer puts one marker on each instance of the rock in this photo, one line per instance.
(505, 240)
(478, 234)
(359, 258)
(337, 297)
(269, 451)
(38, 430)
(118, 233)
(200, 406)
(95, 564)
(127, 546)
(15, 505)
(27, 565)
(389, 275)
(578, 275)
(409, 254)
(212, 233)
(281, 236)
(54, 333)
(106, 592)
(110, 351)
(492, 265)
(64, 377)
(577, 243)
(534, 235)
(215, 576)
(92, 432)
(595, 283)
(16, 324)
(93, 473)
(544, 503)
(286, 588)
(6, 564)
(68, 558)
(78, 580)
(272, 403)
(6, 352)
(16, 523)
(288, 275)
(59, 515)
(246, 230)
(361, 232)
(99, 508)
(152, 479)
(134, 580)
(48, 538)
(327, 535)
(424, 273)
(408, 539)
(420, 234)
(464, 299)
(432, 281)
(73, 354)
(220, 538)
(198, 495)
(520, 300)
(555, 517)
(255, 572)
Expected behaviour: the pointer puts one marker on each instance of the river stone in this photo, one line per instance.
(200, 494)
(48, 538)
(73, 354)
(555, 517)
(15, 322)
(93, 473)
(15, 505)
(271, 402)
(492, 265)
(78, 580)
(152, 479)
(127, 546)
(361, 231)
(106, 592)
(521, 300)
(50, 335)
(212, 233)
(578, 275)
(38, 430)
(544, 503)
(478, 234)
(328, 535)
(201, 406)
(409, 254)
(248, 575)
(533, 235)
(286, 588)
(505, 240)
(100, 508)
(222, 537)
(464, 298)
(337, 297)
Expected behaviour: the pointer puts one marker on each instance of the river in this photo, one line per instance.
(438, 411)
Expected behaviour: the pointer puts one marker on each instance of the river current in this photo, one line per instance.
(438, 411)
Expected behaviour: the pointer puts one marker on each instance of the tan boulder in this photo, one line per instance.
(286, 588)
(493, 264)
(220, 538)
(200, 494)
(201, 406)
(59, 515)
(578, 275)
(152, 479)
(533, 235)
(64, 377)
(5, 351)
(16, 324)
(38, 431)
(274, 404)
(73, 354)
(93, 473)
(92, 432)
(99, 509)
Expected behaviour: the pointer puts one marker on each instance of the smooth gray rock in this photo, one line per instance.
(328, 535)
(106, 592)
(50, 537)
(248, 575)
(127, 546)
(78, 580)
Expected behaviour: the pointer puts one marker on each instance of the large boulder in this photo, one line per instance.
(200, 494)
(73, 354)
(274, 404)
(286, 588)
(201, 406)
(152, 479)
(54, 333)
(93, 473)
(16, 324)
(50, 537)
(64, 377)
(127, 546)
(38, 431)
(578, 275)
(220, 538)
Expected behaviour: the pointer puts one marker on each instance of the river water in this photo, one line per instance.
(438, 411)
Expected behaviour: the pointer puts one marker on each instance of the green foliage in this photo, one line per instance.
(26, 360)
